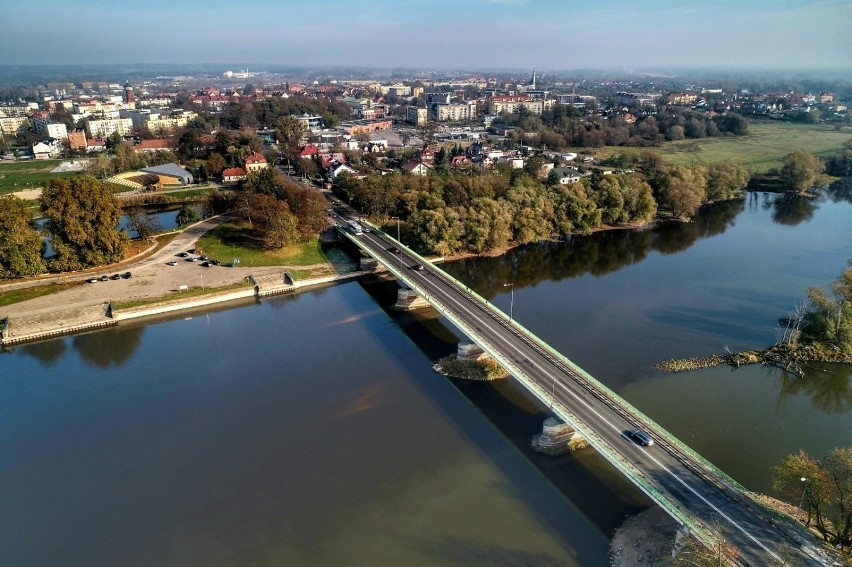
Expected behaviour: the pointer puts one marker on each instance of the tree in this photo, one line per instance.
(683, 189)
(726, 181)
(825, 492)
(142, 223)
(830, 319)
(800, 169)
(733, 123)
(289, 130)
(187, 215)
(82, 219)
(4, 145)
(266, 181)
(693, 553)
(215, 163)
(20, 243)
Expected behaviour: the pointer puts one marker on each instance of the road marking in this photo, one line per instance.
(478, 318)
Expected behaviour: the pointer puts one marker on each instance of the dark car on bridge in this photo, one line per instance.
(639, 437)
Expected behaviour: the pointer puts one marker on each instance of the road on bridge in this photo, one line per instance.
(680, 482)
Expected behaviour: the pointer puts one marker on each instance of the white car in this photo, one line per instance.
(171, 263)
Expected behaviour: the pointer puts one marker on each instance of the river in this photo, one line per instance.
(312, 431)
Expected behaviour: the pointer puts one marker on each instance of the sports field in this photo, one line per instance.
(21, 175)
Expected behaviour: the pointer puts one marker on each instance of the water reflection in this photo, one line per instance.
(48, 352)
(829, 386)
(840, 190)
(597, 254)
(109, 348)
(791, 209)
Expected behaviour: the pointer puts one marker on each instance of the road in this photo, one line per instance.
(685, 486)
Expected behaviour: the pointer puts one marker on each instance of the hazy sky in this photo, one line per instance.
(548, 34)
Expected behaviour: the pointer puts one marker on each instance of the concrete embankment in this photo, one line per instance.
(48, 324)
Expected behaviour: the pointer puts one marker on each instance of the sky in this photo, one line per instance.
(440, 34)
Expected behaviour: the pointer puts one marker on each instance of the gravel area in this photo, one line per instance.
(643, 540)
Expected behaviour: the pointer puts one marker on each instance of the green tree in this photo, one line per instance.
(187, 215)
(683, 189)
(216, 163)
(289, 131)
(82, 219)
(830, 318)
(800, 169)
(825, 492)
(734, 123)
(20, 243)
(726, 181)
(266, 181)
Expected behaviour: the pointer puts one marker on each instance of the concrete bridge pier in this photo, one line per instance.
(408, 300)
(470, 351)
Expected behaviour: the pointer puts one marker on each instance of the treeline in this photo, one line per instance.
(828, 322)
(564, 126)
(452, 211)
(264, 113)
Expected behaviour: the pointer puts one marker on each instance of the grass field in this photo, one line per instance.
(18, 295)
(762, 149)
(234, 240)
(21, 175)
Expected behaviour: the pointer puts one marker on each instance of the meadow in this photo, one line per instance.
(760, 150)
(22, 175)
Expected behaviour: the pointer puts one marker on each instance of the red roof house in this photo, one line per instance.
(233, 174)
(255, 161)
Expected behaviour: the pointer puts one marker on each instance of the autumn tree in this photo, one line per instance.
(276, 225)
(82, 219)
(20, 242)
(825, 492)
(800, 169)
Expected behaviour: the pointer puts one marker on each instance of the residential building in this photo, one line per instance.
(447, 112)
(13, 124)
(49, 128)
(159, 120)
(417, 167)
(511, 104)
(155, 145)
(639, 99)
(106, 128)
(353, 127)
(42, 150)
(233, 174)
(416, 116)
(254, 162)
(313, 123)
(77, 140)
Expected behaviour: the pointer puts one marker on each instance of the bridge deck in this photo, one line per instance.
(688, 487)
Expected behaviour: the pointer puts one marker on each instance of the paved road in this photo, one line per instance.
(679, 480)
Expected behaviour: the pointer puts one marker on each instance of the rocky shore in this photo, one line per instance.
(784, 356)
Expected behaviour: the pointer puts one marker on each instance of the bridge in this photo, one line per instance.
(696, 494)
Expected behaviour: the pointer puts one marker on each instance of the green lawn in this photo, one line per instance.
(24, 294)
(181, 295)
(234, 240)
(762, 148)
(22, 175)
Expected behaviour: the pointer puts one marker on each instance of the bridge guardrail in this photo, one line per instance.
(602, 446)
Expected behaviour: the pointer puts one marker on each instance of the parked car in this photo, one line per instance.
(115, 277)
(193, 259)
(182, 254)
(171, 263)
(104, 278)
(191, 251)
(126, 275)
(92, 280)
(205, 264)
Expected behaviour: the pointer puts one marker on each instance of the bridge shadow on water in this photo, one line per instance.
(594, 487)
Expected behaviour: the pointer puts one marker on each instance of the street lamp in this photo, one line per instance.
(511, 300)
(399, 252)
(348, 195)
(397, 228)
(804, 489)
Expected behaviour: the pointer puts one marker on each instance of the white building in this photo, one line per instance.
(13, 124)
(444, 112)
(48, 128)
(313, 123)
(106, 128)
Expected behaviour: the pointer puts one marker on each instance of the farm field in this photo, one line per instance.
(762, 149)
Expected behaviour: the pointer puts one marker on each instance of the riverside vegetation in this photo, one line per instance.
(819, 330)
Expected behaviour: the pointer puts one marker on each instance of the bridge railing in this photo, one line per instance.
(603, 447)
